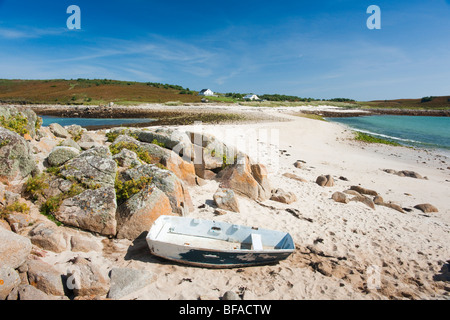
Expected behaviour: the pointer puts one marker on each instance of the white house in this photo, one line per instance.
(206, 92)
(251, 97)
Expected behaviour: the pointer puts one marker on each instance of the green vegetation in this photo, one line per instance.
(17, 206)
(112, 135)
(282, 97)
(360, 136)
(4, 143)
(161, 144)
(35, 186)
(52, 204)
(126, 189)
(35, 189)
(16, 123)
(38, 123)
(142, 154)
(224, 99)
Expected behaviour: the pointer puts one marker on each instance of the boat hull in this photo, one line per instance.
(216, 259)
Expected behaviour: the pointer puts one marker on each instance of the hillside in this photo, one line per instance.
(91, 92)
(442, 102)
(103, 91)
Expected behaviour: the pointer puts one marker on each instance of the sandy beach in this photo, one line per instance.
(343, 251)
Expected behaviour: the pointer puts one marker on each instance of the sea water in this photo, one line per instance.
(84, 122)
(416, 131)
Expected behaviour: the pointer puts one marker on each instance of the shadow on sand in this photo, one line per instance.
(444, 274)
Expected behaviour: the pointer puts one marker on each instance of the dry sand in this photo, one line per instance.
(344, 251)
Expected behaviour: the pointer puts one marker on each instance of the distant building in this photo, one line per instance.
(251, 97)
(206, 93)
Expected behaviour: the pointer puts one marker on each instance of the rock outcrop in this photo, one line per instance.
(167, 182)
(16, 159)
(242, 178)
(93, 167)
(92, 210)
(138, 213)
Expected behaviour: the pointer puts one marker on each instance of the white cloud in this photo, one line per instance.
(28, 33)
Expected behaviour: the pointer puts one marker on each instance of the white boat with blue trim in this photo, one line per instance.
(214, 244)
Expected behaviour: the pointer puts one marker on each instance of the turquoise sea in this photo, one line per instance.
(47, 120)
(416, 131)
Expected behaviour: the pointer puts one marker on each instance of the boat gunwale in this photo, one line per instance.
(225, 250)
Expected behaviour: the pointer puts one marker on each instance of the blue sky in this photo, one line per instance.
(319, 49)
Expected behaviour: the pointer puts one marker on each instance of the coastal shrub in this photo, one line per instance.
(17, 123)
(17, 206)
(126, 189)
(35, 186)
(38, 123)
(50, 206)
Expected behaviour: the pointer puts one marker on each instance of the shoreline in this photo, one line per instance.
(170, 115)
(159, 110)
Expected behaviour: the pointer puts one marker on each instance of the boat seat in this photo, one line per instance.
(256, 242)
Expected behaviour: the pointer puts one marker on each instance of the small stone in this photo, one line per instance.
(230, 295)
(298, 164)
(362, 190)
(294, 177)
(226, 199)
(219, 212)
(282, 196)
(426, 208)
(378, 200)
(367, 201)
(325, 181)
(340, 197)
(352, 192)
